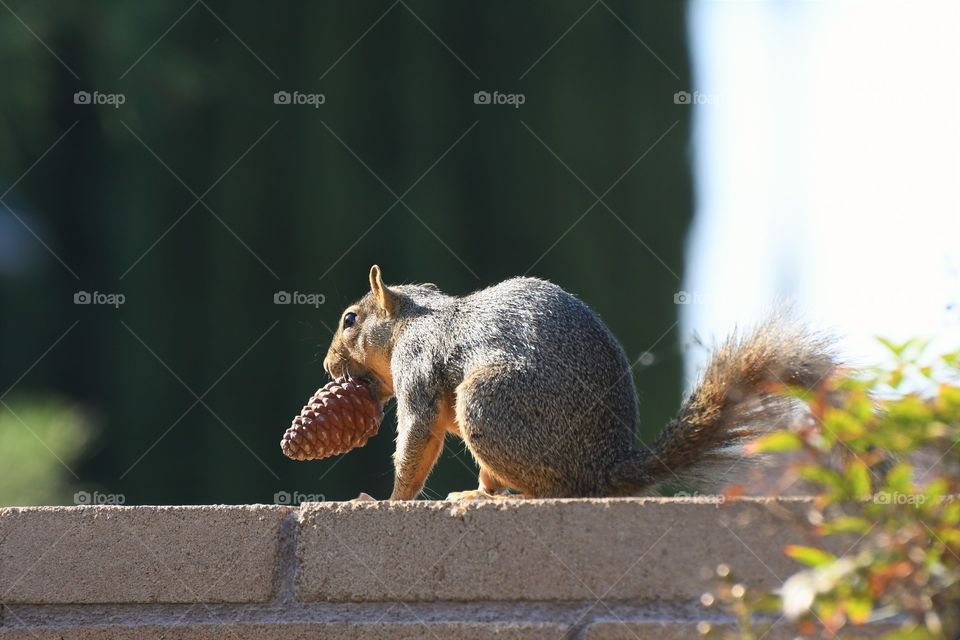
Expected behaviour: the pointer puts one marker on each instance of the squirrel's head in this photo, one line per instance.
(363, 344)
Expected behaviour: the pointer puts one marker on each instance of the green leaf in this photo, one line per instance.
(949, 400)
(951, 359)
(896, 377)
(810, 556)
(935, 490)
(950, 536)
(846, 524)
(822, 476)
(842, 424)
(899, 478)
(908, 411)
(776, 442)
(861, 407)
(858, 477)
(951, 512)
(858, 608)
(893, 347)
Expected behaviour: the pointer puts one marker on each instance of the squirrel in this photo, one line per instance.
(542, 393)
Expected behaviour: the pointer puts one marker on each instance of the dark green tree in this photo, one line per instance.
(199, 198)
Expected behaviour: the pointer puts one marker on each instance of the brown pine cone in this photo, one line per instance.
(342, 415)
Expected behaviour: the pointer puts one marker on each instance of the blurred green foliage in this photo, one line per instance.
(297, 202)
(883, 453)
(41, 438)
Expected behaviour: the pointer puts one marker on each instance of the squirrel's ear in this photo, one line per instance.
(382, 295)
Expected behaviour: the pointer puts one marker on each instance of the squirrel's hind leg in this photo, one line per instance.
(491, 488)
(489, 483)
(497, 434)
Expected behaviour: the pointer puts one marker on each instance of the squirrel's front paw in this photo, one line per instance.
(475, 494)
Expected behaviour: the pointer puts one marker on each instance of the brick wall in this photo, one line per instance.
(597, 569)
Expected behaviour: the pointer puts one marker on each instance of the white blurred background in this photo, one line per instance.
(827, 165)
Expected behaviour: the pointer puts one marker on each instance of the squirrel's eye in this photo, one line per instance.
(349, 320)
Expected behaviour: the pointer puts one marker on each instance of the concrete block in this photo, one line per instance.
(138, 554)
(545, 550)
(360, 630)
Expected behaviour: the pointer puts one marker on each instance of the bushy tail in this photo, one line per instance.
(739, 396)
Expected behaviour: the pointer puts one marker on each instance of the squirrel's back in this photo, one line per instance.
(536, 325)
